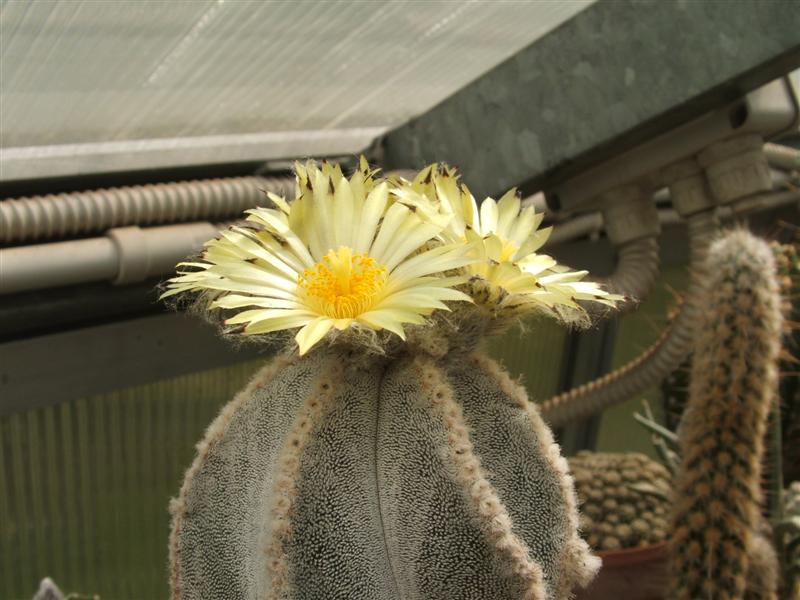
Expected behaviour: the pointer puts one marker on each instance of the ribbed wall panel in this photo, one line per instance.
(534, 355)
(86, 485)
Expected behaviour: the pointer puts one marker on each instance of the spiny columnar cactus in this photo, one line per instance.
(733, 381)
(787, 261)
(675, 387)
(789, 535)
(623, 498)
(382, 457)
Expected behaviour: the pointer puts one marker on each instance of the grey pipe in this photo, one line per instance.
(576, 227)
(591, 224)
(125, 255)
(658, 360)
(94, 211)
(782, 157)
(53, 265)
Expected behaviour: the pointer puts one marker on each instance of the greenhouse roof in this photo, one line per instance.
(97, 86)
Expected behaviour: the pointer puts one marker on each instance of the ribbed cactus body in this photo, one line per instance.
(733, 381)
(411, 478)
(624, 499)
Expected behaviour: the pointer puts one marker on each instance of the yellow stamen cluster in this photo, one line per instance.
(343, 285)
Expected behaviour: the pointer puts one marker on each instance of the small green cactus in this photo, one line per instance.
(716, 511)
(623, 498)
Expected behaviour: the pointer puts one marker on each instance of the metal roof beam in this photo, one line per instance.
(615, 75)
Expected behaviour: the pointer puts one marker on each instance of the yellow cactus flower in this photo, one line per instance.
(508, 274)
(340, 255)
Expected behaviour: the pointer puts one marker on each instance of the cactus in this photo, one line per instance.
(420, 477)
(384, 456)
(787, 262)
(623, 498)
(788, 536)
(48, 590)
(675, 386)
(716, 510)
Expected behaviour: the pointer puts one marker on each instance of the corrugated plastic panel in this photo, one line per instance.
(87, 484)
(78, 72)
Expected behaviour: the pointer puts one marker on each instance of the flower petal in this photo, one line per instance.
(489, 215)
(343, 210)
(278, 323)
(508, 209)
(312, 333)
(371, 214)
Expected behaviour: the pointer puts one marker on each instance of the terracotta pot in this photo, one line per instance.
(630, 573)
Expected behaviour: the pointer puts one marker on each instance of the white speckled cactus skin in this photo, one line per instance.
(416, 478)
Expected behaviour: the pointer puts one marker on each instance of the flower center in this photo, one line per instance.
(343, 285)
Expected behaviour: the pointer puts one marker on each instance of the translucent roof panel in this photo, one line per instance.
(87, 72)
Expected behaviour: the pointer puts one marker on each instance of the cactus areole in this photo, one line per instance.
(383, 455)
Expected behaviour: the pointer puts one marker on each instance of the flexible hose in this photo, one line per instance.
(630, 219)
(77, 213)
(635, 274)
(638, 261)
(660, 359)
(637, 269)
